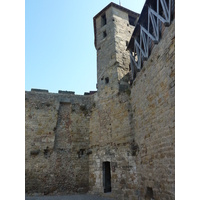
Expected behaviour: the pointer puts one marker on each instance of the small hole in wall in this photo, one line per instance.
(47, 152)
(48, 104)
(106, 80)
(81, 153)
(104, 34)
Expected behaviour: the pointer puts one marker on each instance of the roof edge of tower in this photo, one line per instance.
(132, 13)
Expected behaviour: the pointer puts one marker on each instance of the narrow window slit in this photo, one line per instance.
(104, 34)
(103, 20)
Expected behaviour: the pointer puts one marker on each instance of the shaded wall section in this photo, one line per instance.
(153, 105)
(111, 140)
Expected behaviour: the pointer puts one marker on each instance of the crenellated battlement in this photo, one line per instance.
(60, 91)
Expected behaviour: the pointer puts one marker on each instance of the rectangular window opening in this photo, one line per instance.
(103, 20)
(132, 20)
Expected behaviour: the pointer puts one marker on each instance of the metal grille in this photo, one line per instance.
(158, 18)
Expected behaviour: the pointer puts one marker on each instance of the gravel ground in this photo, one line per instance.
(67, 197)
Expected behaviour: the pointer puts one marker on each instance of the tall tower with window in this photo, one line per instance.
(113, 27)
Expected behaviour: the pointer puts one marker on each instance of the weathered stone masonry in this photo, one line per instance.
(153, 105)
(71, 139)
(57, 140)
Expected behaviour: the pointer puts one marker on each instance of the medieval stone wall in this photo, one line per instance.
(57, 139)
(153, 106)
(111, 140)
(134, 131)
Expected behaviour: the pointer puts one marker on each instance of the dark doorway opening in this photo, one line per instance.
(106, 177)
(149, 194)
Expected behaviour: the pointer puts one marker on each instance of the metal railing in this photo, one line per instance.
(156, 15)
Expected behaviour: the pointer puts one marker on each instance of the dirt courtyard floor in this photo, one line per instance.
(67, 197)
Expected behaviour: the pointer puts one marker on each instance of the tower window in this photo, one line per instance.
(103, 20)
(131, 20)
(104, 34)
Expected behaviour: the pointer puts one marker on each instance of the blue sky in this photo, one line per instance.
(59, 43)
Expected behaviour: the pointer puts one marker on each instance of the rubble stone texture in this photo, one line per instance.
(69, 137)
(57, 128)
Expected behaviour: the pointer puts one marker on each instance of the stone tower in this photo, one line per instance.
(113, 27)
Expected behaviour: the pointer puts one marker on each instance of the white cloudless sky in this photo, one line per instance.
(59, 43)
